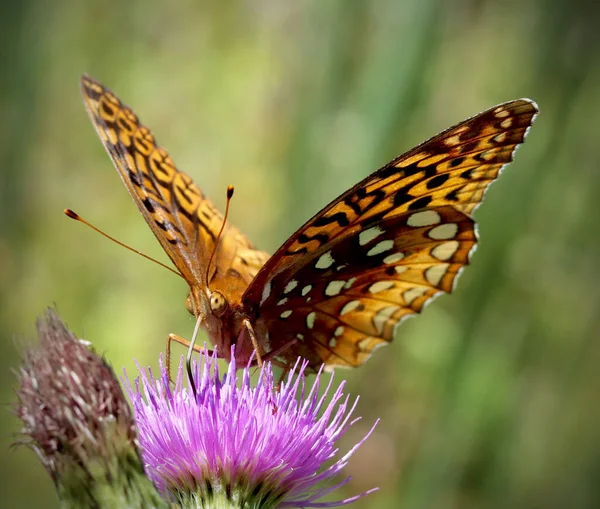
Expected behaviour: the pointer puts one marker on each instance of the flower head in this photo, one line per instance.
(245, 444)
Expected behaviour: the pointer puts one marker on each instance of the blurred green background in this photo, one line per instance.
(490, 399)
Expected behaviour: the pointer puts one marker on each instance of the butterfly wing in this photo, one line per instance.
(341, 284)
(183, 219)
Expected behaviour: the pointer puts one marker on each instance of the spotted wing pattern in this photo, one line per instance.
(184, 221)
(340, 285)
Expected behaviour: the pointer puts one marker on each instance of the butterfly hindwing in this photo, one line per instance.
(352, 294)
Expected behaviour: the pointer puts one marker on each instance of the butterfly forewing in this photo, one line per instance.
(339, 286)
(184, 221)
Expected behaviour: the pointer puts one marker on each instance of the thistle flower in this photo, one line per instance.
(77, 420)
(238, 445)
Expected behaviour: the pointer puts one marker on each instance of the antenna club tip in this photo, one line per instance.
(71, 214)
(229, 191)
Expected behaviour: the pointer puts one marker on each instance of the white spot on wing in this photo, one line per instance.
(446, 250)
(424, 218)
(381, 286)
(400, 269)
(290, 286)
(325, 261)
(339, 331)
(332, 342)
(282, 301)
(410, 295)
(310, 319)
(286, 314)
(349, 283)
(306, 289)
(443, 232)
(393, 258)
(381, 247)
(382, 316)
(334, 287)
(265, 293)
(500, 112)
(350, 306)
(367, 236)
(435, 273)
(364, 344)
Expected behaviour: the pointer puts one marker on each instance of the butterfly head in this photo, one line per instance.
(223, 320)
(212, 302)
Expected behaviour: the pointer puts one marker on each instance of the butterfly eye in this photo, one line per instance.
(218, 304)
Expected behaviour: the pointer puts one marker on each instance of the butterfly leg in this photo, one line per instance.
(259, 360)
(286, 369)
(174, 338)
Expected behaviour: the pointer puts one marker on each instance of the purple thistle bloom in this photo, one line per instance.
(245, 446)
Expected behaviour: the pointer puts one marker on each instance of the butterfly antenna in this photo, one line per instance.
(77, 217)
(229, 196)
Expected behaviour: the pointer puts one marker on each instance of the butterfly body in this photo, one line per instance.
(337, 288)
(222, 318)
(219, 305)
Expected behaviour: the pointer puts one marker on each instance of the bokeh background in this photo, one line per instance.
(490, 399)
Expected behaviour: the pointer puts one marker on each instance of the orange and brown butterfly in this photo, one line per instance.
(337, 288)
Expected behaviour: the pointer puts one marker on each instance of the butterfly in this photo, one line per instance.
(338, 288)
